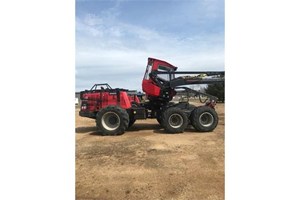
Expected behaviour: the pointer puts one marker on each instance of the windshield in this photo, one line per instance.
(166, 77)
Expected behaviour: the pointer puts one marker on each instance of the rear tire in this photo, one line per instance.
(112, 120)
(174, 120)
(204, 119)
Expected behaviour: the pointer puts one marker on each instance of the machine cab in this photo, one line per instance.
(150, 87)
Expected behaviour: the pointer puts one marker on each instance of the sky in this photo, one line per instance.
(114, 38)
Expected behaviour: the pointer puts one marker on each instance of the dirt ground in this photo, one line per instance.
(147, 163)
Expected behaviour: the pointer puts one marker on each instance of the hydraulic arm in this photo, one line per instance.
(203, 77)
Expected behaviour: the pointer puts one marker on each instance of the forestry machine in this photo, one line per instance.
(115, 110)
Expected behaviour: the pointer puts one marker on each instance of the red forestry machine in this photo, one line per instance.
(115, 110)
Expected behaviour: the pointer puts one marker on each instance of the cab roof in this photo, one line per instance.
(161, 62)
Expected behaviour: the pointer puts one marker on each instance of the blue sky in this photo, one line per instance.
(114, 38)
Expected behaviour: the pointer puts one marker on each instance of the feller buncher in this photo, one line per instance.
(115, 110)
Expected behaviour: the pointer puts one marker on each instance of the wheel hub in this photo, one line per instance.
(175, 120)
(110, 121)
(206, 119)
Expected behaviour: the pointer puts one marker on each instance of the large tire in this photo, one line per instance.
(204, 119)
(174, 120)
(112, 120)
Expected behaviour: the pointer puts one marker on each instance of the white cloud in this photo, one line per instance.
(110, 47)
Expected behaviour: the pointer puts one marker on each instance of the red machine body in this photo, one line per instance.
(102, 95)
(107, 98)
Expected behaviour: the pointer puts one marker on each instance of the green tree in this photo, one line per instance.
(218, 90)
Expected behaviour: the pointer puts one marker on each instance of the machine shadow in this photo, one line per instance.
(156, 128)
(143, 127)
(86, 129)
(138, 128)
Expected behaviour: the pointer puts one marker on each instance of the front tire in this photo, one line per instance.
(204, 119)
(112, 120)
(174, 120)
